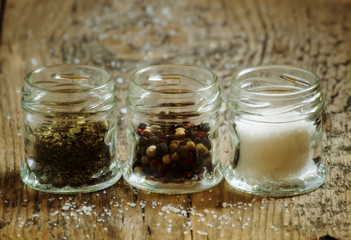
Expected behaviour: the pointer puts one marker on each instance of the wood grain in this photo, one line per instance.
(224, 36)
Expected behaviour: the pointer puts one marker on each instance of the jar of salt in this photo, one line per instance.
(173, 123)
(275, 129)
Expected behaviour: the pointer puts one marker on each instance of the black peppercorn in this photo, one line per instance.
(205, 127)
(161, 149)
(142, 126)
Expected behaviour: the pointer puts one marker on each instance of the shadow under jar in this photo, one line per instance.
(275, 128)
(173, 129)
(69, 129)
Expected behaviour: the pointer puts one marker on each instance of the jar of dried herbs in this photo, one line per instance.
(69, 129)
(173, 129)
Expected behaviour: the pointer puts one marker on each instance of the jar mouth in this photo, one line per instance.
(68, 89)
(168, 74)
(68, 78)
(288, 81)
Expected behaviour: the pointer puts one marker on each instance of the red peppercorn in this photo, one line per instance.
(140, 131)
(201, 133)
(189, 125)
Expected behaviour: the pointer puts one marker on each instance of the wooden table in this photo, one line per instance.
(224, 36)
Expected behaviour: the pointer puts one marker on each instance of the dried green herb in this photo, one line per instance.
(72, 153)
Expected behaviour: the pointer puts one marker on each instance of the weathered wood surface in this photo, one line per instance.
(223, 35)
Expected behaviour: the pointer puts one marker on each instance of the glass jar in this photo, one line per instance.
(275, 128)
(69, 129)
(173, 129)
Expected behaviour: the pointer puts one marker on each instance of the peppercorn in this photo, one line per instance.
(151, 151)
(175, 157)
(206, 142)
(145, 160)
(142, 126)
(166, 159)
(161, 149)
(183, 150)
(191, 133)
(173, 147)
(180, 132)
(190, 145)
(138, 169)
(205, 127)
(201, 149)
(154, 139)
(143, 141)
(171, 137)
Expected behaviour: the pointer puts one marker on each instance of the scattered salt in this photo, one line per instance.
(65, 208)
(201, 233)
(120, 80)
(34, 61)
(54, 213)
(123, 110)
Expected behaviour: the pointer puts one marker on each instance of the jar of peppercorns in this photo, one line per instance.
(69, 129)
(173, 123)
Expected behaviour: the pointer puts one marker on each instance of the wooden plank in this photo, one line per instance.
(224, 36)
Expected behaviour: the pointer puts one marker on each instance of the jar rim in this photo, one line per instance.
(73, 67)
(315, 83)
(214, 78)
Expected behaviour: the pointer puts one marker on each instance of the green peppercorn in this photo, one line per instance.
(173, 147)
(175, 156)
(190, 145)
(166, 159)
(145, 160)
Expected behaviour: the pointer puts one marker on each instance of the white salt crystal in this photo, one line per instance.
(131, 204)
(201, 233)
(123, 110)
(120, 80)
(65, 208)
(54, 213)
(34, 61)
